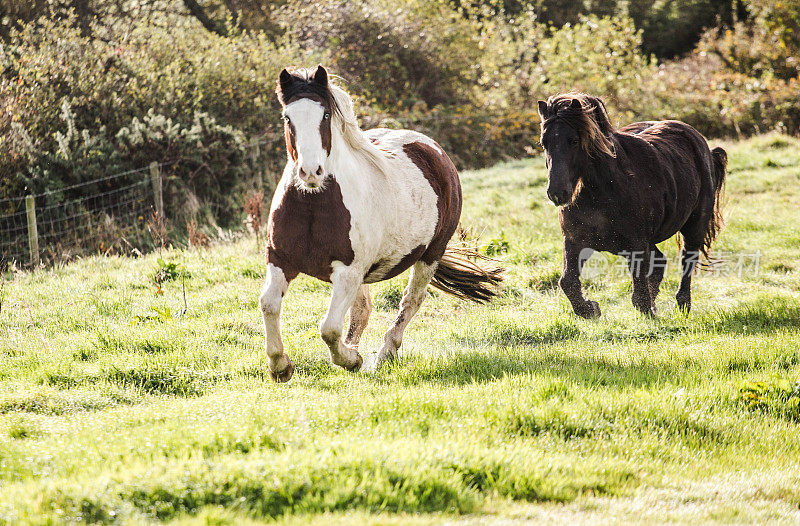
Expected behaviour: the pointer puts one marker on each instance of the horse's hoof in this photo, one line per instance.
(356, 366)
(649, 313)
(684, 305)
(285, 375)
(590, 311)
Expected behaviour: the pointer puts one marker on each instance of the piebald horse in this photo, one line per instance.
(356, 207)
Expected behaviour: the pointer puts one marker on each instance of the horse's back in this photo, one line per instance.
(671, 136)
(675, 159)
(414, 154)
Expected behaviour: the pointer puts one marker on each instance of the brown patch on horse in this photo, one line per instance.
(325, 131)
(308, 231)
(404, 263)
(442, 175)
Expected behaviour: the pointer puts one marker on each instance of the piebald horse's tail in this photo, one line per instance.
(459, 274)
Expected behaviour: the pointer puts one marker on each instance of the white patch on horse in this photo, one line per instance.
(393, 210)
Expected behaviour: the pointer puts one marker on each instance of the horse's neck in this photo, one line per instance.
(350, 165)
(600, 180)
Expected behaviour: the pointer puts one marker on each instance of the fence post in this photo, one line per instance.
(155, 177)
(255, 153)
(33, 231)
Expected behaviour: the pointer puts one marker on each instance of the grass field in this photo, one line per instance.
(117, 406)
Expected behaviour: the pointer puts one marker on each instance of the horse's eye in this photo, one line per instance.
(326, 116)
(287, 119)
(572, 141)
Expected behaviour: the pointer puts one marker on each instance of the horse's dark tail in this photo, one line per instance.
(720, 162)
(459, 274)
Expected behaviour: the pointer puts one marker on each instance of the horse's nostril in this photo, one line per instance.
(319, 170)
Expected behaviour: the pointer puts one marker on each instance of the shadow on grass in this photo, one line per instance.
(476, 367)
(766, 315)
(507, 334)
(177, 381)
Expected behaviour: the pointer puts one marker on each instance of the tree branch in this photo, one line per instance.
(197, 11)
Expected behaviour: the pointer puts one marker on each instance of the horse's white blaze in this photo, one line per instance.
(306, 117)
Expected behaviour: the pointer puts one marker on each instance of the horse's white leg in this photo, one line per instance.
(359, 316)
(413, 296)
(346, 284)
(281, 367)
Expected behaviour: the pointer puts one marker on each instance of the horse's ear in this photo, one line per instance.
(576, 104)
(542, 109)
(285, 82)
(320, 76)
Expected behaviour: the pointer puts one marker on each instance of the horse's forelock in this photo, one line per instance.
(590, 120)
(304, 85)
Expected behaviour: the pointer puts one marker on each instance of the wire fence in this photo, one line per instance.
(111, 214)
(91, 216)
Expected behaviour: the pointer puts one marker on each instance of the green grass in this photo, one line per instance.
(116, 406)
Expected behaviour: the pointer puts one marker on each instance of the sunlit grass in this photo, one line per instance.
(117, 406)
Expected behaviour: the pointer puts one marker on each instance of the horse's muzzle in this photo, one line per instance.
(559, 197)
(310, 179)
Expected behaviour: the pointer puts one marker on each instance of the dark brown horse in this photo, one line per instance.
(622, 191)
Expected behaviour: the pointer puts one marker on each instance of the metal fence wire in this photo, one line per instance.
(89, 217)
(110, 214)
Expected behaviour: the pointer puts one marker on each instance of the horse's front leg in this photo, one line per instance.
(281, 367)
(639, 265)
(346, 283)
(570, 282)
(413, 296)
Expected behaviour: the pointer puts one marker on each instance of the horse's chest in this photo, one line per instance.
(309, 231)
(592, 228)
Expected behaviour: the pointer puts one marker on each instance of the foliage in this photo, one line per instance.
(393, 57)
(169, 271)
(497, 246)
(91, 87)
(766, 46)
(780, 397)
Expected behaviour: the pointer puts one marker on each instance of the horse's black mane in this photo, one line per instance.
(303, 84)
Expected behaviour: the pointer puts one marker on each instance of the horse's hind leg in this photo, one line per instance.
(413, 296)
(359, 316)
(692, 233)
(281, 367)
(346, 284)
(638, 263)
(689, 258)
